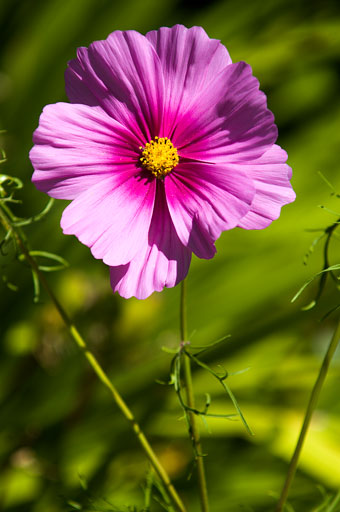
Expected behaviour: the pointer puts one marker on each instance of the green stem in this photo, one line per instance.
(308, 416)
(6, 220)
(191, 403)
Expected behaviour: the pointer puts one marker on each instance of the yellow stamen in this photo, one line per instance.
(159, 156)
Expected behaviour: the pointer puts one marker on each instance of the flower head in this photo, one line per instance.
(165, 144)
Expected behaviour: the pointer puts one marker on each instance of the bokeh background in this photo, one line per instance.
(63, 443)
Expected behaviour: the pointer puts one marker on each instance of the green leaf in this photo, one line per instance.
(54, 257)
(329, 269)
(35, 218)
(8, 181)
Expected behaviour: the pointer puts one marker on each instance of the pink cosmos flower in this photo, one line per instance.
(165, 144)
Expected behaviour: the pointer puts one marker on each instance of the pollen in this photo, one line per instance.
(159, 156)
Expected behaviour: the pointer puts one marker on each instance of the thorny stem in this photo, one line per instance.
(191, 403)
(308, 416)
(7, 221)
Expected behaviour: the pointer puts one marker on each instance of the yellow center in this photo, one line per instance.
(159, 156)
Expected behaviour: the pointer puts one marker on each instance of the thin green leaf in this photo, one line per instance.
(36, 286)
(9, 181)
(329, 269)
(239, 372)
(3, 155)
(207, 402)
(309, 306)
(232, 416)
(237, 407)
(166, 501)
(52, 268)
(48, 255)
(226, 388)
(10, 286)
(211, 345)
(170, 350)
(330, 312)
(192, 334)
(35, 218)
(4, 241)
(148, 490)
(328, 210)
(313, 245)
(328, 183)
(205, 423)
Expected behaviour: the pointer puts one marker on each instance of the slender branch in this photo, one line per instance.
(191, 405)
(308, 416)
(6, 220)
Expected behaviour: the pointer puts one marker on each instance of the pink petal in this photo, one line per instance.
(76, 146)
(113, 217)
(271, 177)
(228, 122)
(204, 200)
(190, 61)
(82, 85)
(163, 262)
(124, 76)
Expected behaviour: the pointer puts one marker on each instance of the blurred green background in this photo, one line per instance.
(58, 427)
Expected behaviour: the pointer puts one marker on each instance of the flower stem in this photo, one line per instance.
(308, 416)
(191, 403)
(7, 220)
